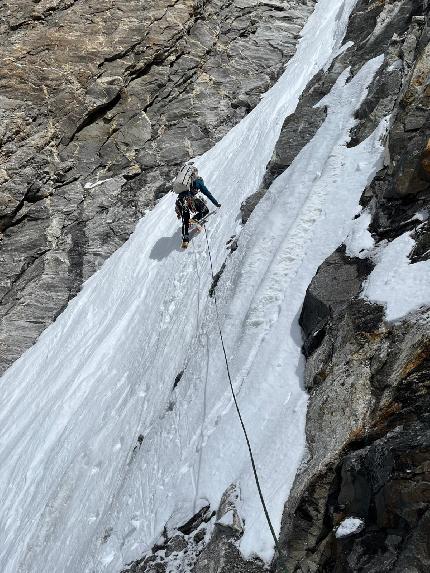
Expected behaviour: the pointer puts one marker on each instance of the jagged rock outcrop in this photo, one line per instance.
(179, 547)
(99, 102)
(368, 419)
(206, 543)
(221, 555)
(369, 445)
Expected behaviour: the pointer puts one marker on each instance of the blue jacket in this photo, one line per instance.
(199, 185)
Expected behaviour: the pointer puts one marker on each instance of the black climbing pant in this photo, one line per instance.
(190, 207)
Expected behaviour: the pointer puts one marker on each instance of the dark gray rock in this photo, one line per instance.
(337, 281)
(369, 445)
(421, 251)
(228, 517)
(222, 556)
(206, 543)
(402, 189)
(250, 203)
(179, 548)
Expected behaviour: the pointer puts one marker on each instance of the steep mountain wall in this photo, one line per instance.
(100, 102)
(368, 418)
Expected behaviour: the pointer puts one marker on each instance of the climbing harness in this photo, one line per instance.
(254, 468)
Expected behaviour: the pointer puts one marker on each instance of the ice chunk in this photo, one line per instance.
(349, 526)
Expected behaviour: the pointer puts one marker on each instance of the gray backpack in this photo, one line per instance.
(184, 179)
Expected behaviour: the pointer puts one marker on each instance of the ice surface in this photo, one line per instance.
(401, 286)
(78, 490)
(349, 526)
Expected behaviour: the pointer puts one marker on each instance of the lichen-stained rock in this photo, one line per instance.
(100, 101)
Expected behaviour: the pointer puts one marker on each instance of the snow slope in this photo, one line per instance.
(76, 495)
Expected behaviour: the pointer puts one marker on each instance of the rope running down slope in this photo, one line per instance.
(254, 468)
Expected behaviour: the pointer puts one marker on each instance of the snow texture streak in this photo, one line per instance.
(80, 490)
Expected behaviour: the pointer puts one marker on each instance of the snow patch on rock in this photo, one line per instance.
(349, 526)
(359, 241)
(395, 282)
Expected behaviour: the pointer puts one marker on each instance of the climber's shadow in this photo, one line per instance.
(166, 245)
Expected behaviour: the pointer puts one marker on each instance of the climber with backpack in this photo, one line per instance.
(189, 207)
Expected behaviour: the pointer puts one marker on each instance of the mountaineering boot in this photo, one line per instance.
(185, 241)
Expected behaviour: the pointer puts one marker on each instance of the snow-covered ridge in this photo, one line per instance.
(76, 494)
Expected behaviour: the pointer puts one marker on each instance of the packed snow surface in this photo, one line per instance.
(78, 490)
(349, 526)
(395, 282)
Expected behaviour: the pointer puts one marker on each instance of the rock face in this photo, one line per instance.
(369, 445)
(329, 294)
(368, 420)
(394, 29)
(100, 102)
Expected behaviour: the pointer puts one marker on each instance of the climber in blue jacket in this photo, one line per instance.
(188, 203)
(199, 185)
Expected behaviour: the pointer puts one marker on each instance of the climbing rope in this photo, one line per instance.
(254, 468)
